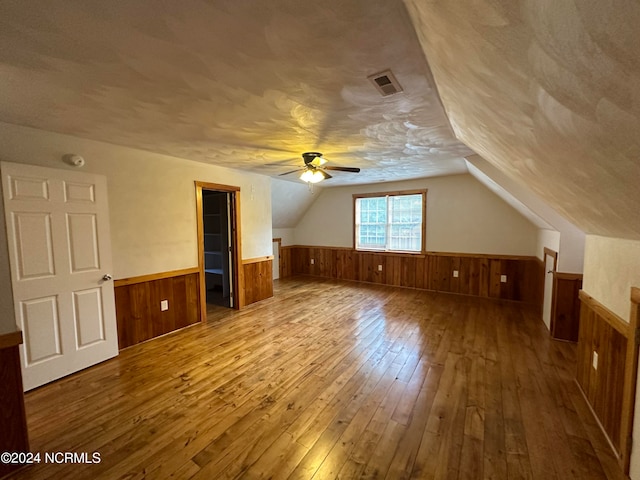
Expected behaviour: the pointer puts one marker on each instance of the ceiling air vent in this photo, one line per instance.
(386, 83)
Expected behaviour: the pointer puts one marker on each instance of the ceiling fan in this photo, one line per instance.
(314, 169)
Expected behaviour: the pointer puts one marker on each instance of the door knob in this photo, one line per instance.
(106, 277)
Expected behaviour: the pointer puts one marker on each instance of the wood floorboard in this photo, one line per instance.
(326, 380)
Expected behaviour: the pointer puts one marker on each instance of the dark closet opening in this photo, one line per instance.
(216, 212)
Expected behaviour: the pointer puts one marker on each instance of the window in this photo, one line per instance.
(390, 222)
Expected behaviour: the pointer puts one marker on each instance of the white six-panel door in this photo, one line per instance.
(60, 255)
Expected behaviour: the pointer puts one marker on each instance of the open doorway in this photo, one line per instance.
(550, 265)
(218, 248)
(277, 245)
(217, 239)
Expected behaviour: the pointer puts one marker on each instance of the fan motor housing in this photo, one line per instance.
(310, 156)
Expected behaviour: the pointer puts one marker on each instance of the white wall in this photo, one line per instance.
(611, 268)
(462, 216)
(571, 252)
(151, 198)
(286, 234)
(549, 239)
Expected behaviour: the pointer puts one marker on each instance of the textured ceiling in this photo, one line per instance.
(548, 91)
(234, 83)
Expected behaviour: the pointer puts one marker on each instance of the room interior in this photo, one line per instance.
(518, 118)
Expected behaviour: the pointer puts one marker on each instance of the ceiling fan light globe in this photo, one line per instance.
(306, 176)
(317, 177)
(311, 176)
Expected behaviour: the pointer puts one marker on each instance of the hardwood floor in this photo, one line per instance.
(331, 379)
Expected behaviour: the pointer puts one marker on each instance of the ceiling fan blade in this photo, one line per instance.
(280, 165)
(343, 169)
(324, 174)
(292, 171)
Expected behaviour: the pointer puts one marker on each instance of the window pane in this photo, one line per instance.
(405, 232)
(371, 223)
(405, 237)
(389, 223)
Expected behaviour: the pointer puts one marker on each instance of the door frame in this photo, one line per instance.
(547, 252)
(630, 379)
(278, 240)
(236, 254)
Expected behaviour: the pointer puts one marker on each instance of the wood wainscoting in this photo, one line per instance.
(13, 422)
(138, 300)
(478, 275)
(286, 267)
(565, 310)
(257, 279)
(610, 388)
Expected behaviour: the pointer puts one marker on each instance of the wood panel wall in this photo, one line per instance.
(138, 300)
(257, 279)
(609, 389)
(565, 311)
(478, 275)
(13, 421)
(286, 267)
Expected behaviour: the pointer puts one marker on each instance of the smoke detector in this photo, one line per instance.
(385, 82)
(73, 159)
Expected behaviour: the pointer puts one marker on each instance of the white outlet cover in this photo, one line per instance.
(503, 279)
(313, 261)
(379, 268)
(164, 305)
(455, 273)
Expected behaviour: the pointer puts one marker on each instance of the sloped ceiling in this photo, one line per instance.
(290, 201)
(234, 83)
(549, 92)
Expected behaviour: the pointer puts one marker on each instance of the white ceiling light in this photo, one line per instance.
(312, 176)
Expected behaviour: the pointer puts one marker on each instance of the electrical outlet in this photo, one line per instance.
(595, 360)
(313, 261)
(503, 279)
(455, 273)
(164, 305)
(379, 268)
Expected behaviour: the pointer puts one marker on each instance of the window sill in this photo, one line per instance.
(395, 253)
